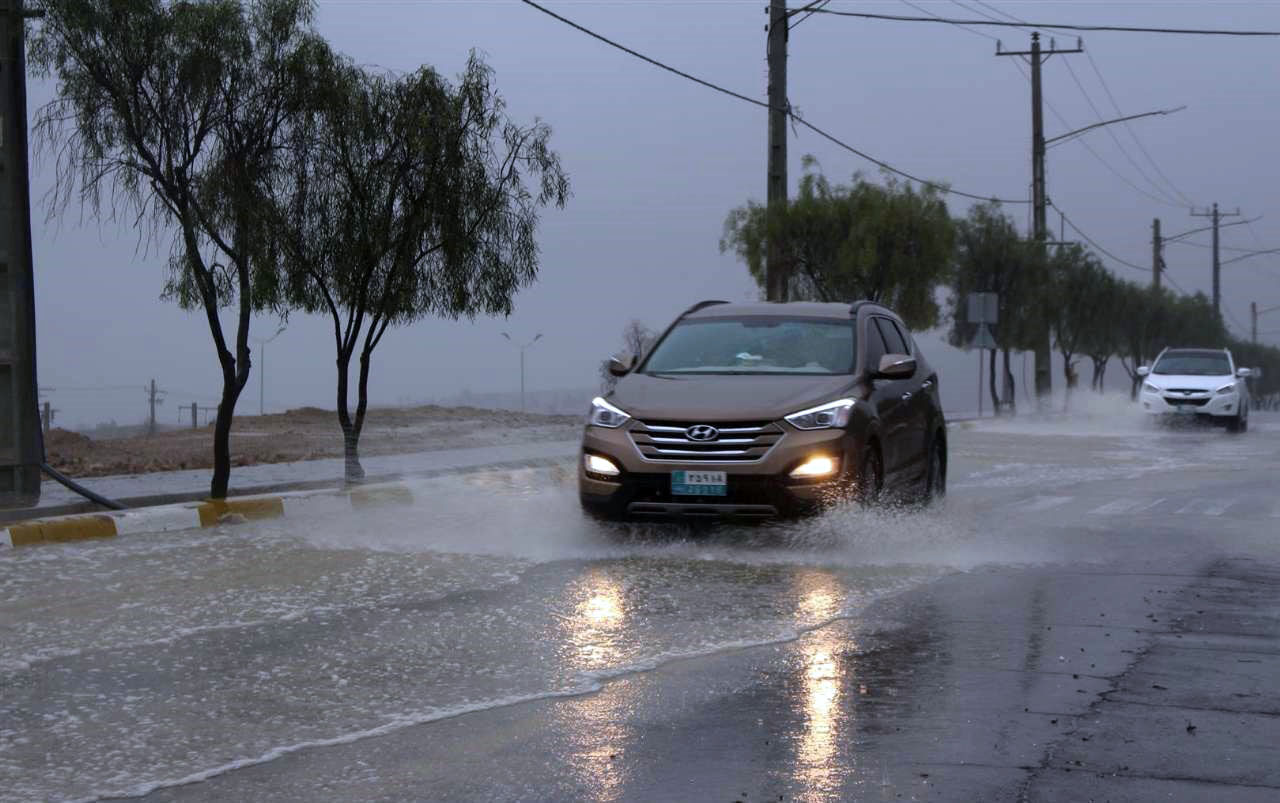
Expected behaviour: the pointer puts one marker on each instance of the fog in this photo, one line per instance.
(656, 162)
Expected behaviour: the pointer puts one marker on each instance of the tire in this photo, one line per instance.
(870, 476)
(935, 478)
(1237, 424)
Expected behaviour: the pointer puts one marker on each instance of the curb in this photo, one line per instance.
(188, 516)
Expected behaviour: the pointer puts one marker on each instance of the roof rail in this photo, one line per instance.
(857, 305)
(702, 305)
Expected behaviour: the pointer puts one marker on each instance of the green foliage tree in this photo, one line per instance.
(992, 258)
(885, 242)
(171, 113)
(406, 197)
(1078, 282)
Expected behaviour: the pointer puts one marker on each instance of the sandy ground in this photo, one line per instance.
(307, 433)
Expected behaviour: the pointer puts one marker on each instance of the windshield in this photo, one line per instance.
(763, 345)
(1203, 364)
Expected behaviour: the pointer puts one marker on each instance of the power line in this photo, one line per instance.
(1004, 14)
(1048, 25)
(944, 188)
(1114, 138)
(961, 27)
(1091, 150)
(1134, 134)
(1094, 243)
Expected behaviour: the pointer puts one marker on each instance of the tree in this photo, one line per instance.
(402, 198)
(636, 340)
(888, 243)
(1077, 279)
(172, 113)
(1100, 340)
(992, 258)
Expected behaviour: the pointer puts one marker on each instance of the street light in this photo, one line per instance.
(262, 368)
(1072, 134)
(522, 350)
(1256, 313)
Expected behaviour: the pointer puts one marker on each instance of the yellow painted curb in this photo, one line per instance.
(369, 497)
(72, 528)
(267, 507)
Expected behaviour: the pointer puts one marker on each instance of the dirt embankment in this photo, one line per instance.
(307, 433)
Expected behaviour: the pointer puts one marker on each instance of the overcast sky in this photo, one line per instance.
(656, 162)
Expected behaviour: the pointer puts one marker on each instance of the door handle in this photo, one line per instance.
(906, 397)
(927, 384)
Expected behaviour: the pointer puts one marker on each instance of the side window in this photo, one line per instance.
(875, 345)
(906, 338)
(893, 342)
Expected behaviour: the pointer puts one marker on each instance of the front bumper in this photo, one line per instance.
(1224, 405)
(757, 489)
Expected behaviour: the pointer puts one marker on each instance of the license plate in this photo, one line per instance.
(1184, 409)
(699, 483)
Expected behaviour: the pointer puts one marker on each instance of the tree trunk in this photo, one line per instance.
(350, 432)
(1010, 388)
(222, 429)
(991, 381)
(362, 406)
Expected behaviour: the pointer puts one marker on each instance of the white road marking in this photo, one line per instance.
(1188, 507)
(1040, 503)
(1219, 506)
(1126, 506)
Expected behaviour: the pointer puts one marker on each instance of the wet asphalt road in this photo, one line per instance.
(1025, 640)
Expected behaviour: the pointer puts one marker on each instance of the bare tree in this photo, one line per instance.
(636, 340)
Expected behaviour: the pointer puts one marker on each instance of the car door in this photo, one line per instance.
(888, 397)
(915, 433)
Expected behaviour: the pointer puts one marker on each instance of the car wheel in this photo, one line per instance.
(1237, 424)
(936, 476)
(870, 476)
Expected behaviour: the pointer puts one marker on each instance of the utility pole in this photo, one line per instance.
(1217, 262)
(155, 397)
(21, 441)
(1253, 329)
(775, 282)
(194, 407)
(1039, 196)
(1157, 257)
(522, 348)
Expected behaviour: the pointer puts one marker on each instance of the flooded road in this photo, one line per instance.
(491, 643)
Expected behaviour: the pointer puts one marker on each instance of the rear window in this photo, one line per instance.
(1205, 363)
(755, 345)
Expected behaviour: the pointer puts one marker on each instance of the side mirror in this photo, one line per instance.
(1244, 373)
(1143, 370)
(620, 365)
(897, 366)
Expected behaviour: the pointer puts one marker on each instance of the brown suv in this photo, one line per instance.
(760, 410)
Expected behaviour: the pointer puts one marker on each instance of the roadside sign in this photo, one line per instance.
(984, 308)
(983, 339)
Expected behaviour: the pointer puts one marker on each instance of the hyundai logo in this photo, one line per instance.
(702, 432)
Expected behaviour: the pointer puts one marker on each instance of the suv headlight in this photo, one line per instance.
(1150, 388)
(604, 414)
(827, 416)
(1225, 389)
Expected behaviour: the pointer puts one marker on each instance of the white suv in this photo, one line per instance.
(1200, 383)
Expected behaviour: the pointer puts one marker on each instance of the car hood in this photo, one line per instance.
(669, 397)
(1189, 382)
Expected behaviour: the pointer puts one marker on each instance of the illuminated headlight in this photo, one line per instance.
(827, 416)
(1150, 388)
(595, 464)
(821, 466)
(1225, 389)
(604, 414)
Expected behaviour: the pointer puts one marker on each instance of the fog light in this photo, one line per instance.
(595, 464)
(815, 467)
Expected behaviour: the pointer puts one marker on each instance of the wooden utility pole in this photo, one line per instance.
(775, 282)
(1157, 257)
(1039, 196)
(1253, 328)
(155, 397)
(1217, 261)
(21, 444)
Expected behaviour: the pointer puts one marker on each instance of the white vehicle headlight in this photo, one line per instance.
(1225, 389)
(827, 416)
(604, 414)
(1150, 388)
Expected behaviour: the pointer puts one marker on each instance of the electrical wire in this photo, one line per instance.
(1048, 25)
(809, 9)
(961, 27)
(1004, 14)
(1134, 134)
(797, 119)
(1116, 139)
(1094, 243)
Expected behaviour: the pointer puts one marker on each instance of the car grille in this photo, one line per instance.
(1186, 390)
(738, 442)
(1179, 400)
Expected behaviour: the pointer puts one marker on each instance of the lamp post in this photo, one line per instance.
(262, 368)
(522, 348)
(1254, 314)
